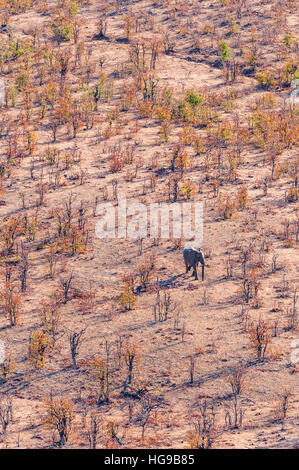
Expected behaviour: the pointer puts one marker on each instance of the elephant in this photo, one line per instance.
(192, 257)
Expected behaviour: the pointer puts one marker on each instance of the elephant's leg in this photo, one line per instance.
(187, 267)
(195, 272)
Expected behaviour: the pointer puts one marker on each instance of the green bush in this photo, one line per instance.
(194, 98)
(62, 29)
(265, 79)
(224, 51)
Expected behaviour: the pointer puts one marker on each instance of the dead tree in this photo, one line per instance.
(93, 430)
(148, 404)
(245, 255)
(75, 341)
(202, 436)
(114, 185)
(5, 413)
(234, 415)
(24, 266)
(229, 268)
(163, 307)
(65, 285)
(236, 378)
(192, 367)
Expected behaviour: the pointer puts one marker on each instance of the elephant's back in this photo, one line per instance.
(187, 252)
(189, 249)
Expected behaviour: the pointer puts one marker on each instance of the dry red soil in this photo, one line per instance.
(237, 136)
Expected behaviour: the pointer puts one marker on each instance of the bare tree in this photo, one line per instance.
(164, 306)
(5, 413)
(234, 415)
(24, 265)
(65, 285)
(283, 404)
(75, 339)
(245, 255)
(51, 319)
(202, 435)
(148, 404)
(93, 430)
(236, 378)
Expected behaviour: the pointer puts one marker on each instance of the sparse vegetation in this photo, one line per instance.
(169, 104)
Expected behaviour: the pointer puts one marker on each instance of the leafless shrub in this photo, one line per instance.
(275, 327)
(274, 265)
(192, 359)
(52, 259)
(246, 253)
(148, 404)
(5, 413)
(75, 339)
(229, 268)
(205, 297)
(236, 378)
(145, 271)
(93, 430)
(24, 266)
(65, 287)
(114, 186)
(260, 339)
(202, 435)
(234, 415)
(177, 243)
(292, 313)
(283, 404)
(51, 319)
(140, 246)
(164, 306)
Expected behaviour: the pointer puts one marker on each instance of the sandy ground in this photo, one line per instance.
(209, 314)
